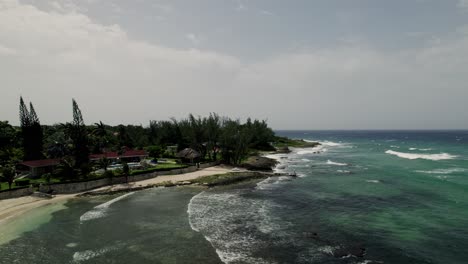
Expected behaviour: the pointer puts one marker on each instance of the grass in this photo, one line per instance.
(159, 167)
(226, 179)
(295, 143)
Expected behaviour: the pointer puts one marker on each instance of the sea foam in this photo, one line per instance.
(329, 162)
(443, 171)
(101, 210)
(413, 156)
(235, 225)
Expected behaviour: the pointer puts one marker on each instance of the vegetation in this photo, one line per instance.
(8, 175)
(280, 142)
(213, 137)
(226, 179)
(31, 132)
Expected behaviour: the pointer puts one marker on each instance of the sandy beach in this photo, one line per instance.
(11, 209)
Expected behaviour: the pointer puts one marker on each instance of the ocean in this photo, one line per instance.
(360, 197)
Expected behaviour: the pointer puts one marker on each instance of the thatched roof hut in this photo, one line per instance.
(189, 154)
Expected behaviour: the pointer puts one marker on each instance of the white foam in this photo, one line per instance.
(271, 182)
(72, 245)
(343, 171)
(373, 181)
(443, 171)
(216, 216)
(327, 249)
(329, 162)
(413, 156)
(101, 210)
(86, 255)
(421, 149)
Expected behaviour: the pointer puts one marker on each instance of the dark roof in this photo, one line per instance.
(41, 163)
(188, 153)
(113, 155)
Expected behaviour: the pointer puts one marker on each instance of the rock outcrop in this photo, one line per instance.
(258, 163)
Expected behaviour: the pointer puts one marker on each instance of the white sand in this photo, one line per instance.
(11, 209)
(170, 178)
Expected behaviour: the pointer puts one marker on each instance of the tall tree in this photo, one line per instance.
(37, 134)
(79, 136)
(31, 132)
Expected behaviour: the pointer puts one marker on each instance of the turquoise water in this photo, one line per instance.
(362, 197)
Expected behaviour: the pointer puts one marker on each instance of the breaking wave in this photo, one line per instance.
(101, 210)
(443, 171)
(329, 162)
(86, 255)
(218, 217)
(413, 156)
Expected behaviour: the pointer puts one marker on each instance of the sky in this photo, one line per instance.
(299, 64)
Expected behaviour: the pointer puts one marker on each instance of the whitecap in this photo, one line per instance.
(86, 255)
(101, 210)
(315, 150)
(343, 171)
(421, 149)
(329, 162)
(373, 181)
(217, 215)
(413, 156)
(443, 171)
(327, 249)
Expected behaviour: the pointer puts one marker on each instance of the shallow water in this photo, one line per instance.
(402, 196)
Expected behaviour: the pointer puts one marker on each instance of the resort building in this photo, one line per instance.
(36, 168)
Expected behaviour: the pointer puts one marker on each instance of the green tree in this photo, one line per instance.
(126, 171)
(31, 132)
(101, 134)
(79, 137)
(9, 174)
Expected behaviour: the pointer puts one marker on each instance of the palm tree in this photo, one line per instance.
(100, 132)
(66, 169)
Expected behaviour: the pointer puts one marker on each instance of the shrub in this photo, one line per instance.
(22, 182)
(108, 174)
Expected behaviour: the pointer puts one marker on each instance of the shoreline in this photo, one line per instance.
(14, 208)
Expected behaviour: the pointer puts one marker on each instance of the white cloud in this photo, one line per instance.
(116, 79)
(266, 12)
(463, 4)
(194, 39)
(6, 51)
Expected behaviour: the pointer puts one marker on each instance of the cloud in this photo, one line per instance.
(6, 51)
(50, 57)
(463, 4)
(193, 38)
(266, 13)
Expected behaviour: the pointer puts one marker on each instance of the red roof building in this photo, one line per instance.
(39, 167)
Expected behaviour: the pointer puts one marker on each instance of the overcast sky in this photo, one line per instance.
(310, 64)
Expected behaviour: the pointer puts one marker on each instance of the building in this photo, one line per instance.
(129, 155)
(36, 168)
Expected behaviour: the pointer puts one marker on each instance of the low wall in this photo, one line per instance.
(15, 193)
(76, 187)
